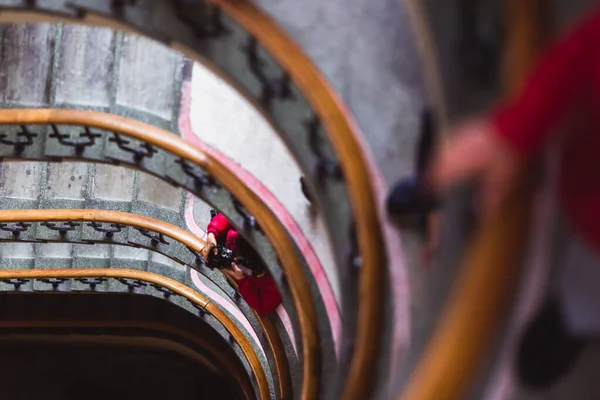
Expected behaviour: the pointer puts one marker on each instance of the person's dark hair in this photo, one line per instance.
(255, 262)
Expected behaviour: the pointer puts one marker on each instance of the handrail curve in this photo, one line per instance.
(165, 282)
(117, 217)
(169, 230)
(269, 223)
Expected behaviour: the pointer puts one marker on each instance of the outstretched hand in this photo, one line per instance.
(474, 151)
(211, 242)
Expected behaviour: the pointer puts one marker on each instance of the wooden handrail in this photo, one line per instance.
(169, 230)
(350, 151)
(486, 280)
(269, 223)
(165, 282)
(116, 217)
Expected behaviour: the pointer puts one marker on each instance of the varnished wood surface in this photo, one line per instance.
(269, 223)
(169, 230)
(165, 282)
(108, 216)
(489, 271)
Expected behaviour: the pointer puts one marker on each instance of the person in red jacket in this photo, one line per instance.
(254, 284)
(560, 101)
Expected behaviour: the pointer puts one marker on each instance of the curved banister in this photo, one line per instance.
(168, 230)
(252, 202)
(116, 217)
(486, 279)
(165, 282)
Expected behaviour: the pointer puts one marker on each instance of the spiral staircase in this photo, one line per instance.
(111, 162)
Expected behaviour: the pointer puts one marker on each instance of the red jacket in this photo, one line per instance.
(564, 88)
(260, 292)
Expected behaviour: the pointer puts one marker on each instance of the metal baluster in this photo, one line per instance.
(204, 20)
(325, 165)
(199, 258)
(55, 282)
(92, 282)
(271, 88)
(201, 311)
(144, 150)
(63, 228)
(16, 228)
(109, 230)
(249, 220)
(86, 138)
(17, 282)
(200, 179)
(167, 293)
(155, 238)
(132, 284)
(22, 139)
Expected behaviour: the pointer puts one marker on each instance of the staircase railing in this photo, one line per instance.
(132, 280)
(59, 142)
(49, 134)
(279, 79)
(106, 226)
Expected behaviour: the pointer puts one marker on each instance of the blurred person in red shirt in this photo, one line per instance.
(560, 101)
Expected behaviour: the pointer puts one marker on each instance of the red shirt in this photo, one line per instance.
(260, 292)
(224, 233)
(564, 91)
